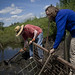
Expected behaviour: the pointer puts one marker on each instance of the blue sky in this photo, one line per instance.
(20, 10)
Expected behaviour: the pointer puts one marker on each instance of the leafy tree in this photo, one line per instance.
(1, 25)
(66, 4)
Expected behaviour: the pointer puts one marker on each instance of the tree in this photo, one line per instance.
(67, 4)
(1, 25)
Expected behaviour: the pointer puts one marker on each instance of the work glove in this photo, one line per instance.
(31, 41)
(21, 50)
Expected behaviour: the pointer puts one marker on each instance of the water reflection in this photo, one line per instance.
(7, 53)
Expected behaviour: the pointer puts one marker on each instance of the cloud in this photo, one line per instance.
(12, 5)
(6, 10)
(17, 11)
(12, 10)
(32, 0)
(46, 7)
(1, 19)
(15, 18)
(23, 17)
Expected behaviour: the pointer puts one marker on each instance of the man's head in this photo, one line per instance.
(51, 12)
(19, 29)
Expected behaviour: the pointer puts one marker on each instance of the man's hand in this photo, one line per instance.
(52, 51)
(21, 50)
(31, 41)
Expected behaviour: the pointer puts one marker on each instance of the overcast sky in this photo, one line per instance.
(20, 10)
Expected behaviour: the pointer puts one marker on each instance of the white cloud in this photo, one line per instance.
(6, 10)
(12, 5)
(17, 11)
(16, 18)
(32, 0)
(46, 7)
(8, 19)
(23, 17)
(12, 10)
(1, 19)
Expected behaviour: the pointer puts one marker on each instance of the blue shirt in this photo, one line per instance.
(65, 19)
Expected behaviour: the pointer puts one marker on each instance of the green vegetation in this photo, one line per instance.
(66, 4)
(8, 34)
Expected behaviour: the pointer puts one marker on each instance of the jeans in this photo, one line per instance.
(38, 40)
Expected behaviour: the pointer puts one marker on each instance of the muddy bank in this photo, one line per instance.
(18, 65)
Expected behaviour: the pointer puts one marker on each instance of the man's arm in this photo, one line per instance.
(35, 35)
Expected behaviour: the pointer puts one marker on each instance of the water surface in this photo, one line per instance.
(7, 53)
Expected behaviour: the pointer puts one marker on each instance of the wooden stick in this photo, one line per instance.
(44, 65)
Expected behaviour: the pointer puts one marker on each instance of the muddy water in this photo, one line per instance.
(7, 53)
(15, 65)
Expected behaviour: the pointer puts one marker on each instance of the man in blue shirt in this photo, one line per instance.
(65, 19)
